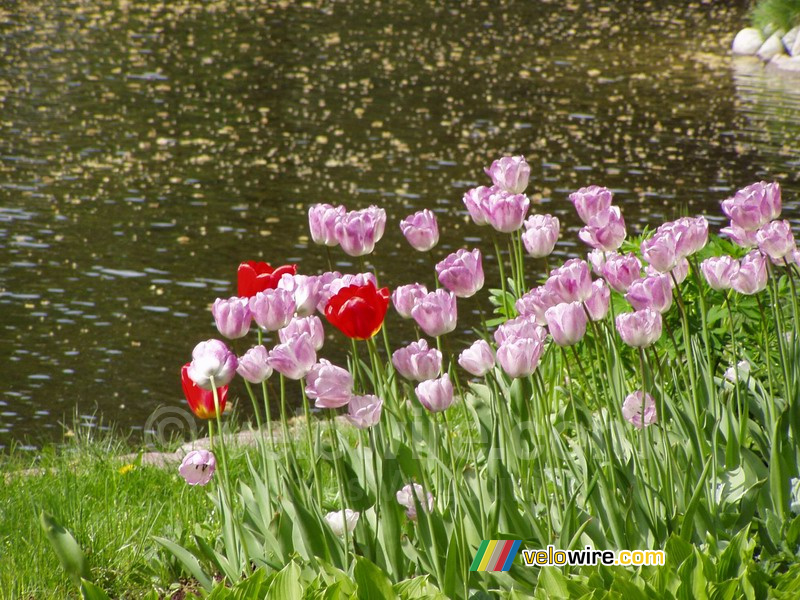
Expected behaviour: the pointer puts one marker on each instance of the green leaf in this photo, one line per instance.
(418, 588)
(287, 584)
(372, 581)
(553, 583)
(90, 591)
(188, 560)
(67, 550)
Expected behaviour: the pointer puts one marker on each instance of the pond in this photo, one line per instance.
(148, 148)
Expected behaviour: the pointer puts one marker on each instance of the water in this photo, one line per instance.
(146, 149)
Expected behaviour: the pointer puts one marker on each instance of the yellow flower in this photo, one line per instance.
(126, 468)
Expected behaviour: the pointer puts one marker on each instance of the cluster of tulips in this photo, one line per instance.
(574, 297)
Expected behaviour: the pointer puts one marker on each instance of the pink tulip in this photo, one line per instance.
(197, 467)
(597, 258)
(436, 394)
(541, 233)
(421, 230)
(641, 328)
(478, 359)
(435, 313)
(506, 212)
(330, 386)
(566, 323)
(254, 365)
(599, 302)
(364, 411)
(751, 277)
(651, 292)
(605, 230)
(510, 174)
(719, 271)
(754, 206)
(589, 201)
(358, 231)
(661, 251)
(522, 327)
(571, 282)
(536, 302)
(305, 290)
(406, 296)
(333, 282)
(462, 272)
(676, 275)
(294, 358)
(212, 359)
(739, 236)
(621, 270)
(690, 234)
(322, 223)
(639, 409)
(232, 317)
(272, 309)
(476, 201)
(311, 325)
(775, 239)
(417, 362)
(519, 357)
(406, 498)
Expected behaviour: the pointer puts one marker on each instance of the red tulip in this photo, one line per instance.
(358, 310)
(202, 401)
(256, 277)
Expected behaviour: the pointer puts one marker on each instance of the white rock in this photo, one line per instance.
(796, 47)
(790, 38)
(785, 63)
(747, 41)
(771, 47)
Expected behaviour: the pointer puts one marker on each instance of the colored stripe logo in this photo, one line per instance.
(495, 555)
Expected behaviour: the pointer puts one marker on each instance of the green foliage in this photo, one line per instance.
(783, 14)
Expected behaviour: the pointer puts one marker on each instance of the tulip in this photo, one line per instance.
(719, 270)
(406, 498)
(200, 400)
(305, 290)
(364, 411)
(524, 326)
(676, 275)
(775, 239)
(641, 328)
(661, 251)
(751, 277)
(476, 202)
(418, 362)
(510, 174)
(358, 231)
(232, 317)
(332, 283)
(294, 358)
(599, 302)
(519, 357)
(740, 237)
(566, 323)
(597, 258)
(256, 277)
(421, 230)
(589, 201)
(358, 310)
(651, 292)
(330, 386)
(571, 282)
(339, 521)
(322, 220)
(690, 234)
(436, 394)
(605, 230)
(254, 365)
(621, 270)
(461, 272)
(197, 467)
(478, 359)
(639, 409)
(212, 359)
(536, 302)
(740, 372)
(754, 205)
(506, 212)
(541, 234)
(406, 296)
(311, 325)
(272, 309)
(435, 313)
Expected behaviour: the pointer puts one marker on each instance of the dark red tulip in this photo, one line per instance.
(202, 401)
(256, 277)
(358, 310)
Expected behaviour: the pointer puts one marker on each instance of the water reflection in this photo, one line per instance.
(148, 148)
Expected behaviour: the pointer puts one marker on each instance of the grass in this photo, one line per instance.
(784, 14)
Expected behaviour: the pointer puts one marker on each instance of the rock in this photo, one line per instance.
(790, 38)
(771, 47)
(785, 63)
(747, 41)
(796, 48)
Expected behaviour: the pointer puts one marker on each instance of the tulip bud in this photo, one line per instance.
(641, 328)
(329, 385)
(339, 521)
(254, 365)
(406, 498)
(435, 313)
(418, 362)
(212, 359)
(639, 409)
(406, 296)
(421, 230)
(510, 174)
(589, 201)
(436, 394)
(566, 323)
(478, 359)
(541, 234)
(197, 467)
(364, 411)
(462, 272)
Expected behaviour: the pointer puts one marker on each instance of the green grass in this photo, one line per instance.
(784, 14)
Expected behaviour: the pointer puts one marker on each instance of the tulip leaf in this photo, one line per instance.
(286, 585)
(67, 550)
(90, 591)
(371, 580)
(188, 560)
